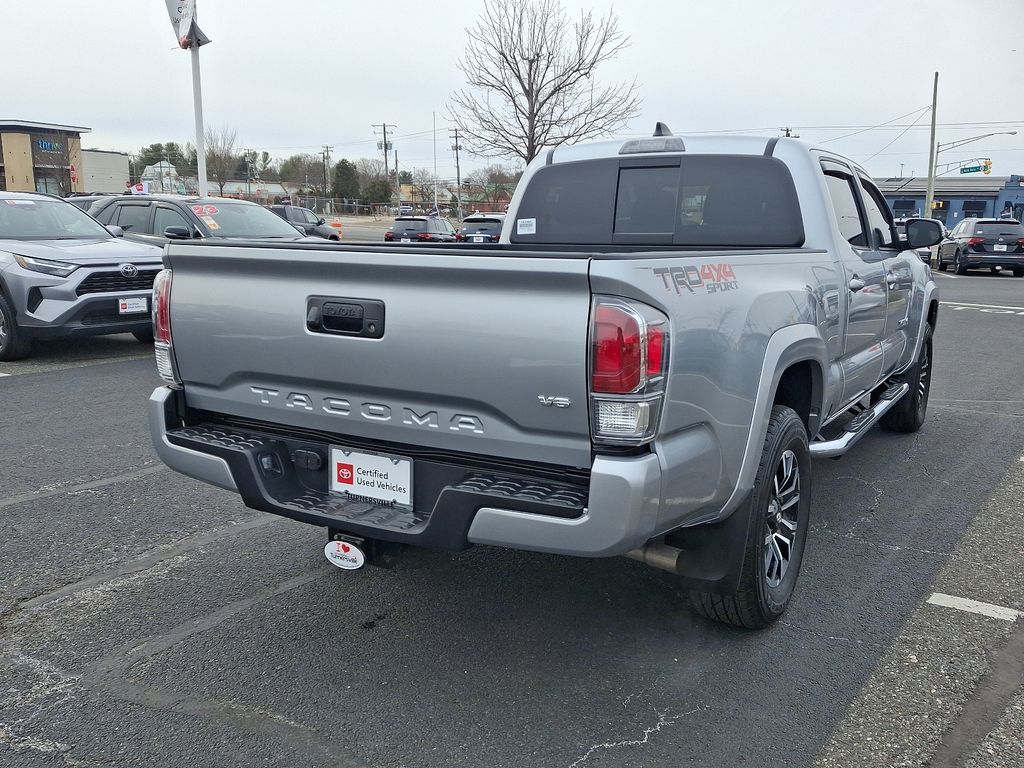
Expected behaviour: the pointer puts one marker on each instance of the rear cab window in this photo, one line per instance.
(697, 200)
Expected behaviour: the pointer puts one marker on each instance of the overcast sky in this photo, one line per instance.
(292, 76)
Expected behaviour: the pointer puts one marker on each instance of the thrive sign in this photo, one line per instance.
(50, 150)
(46, 145)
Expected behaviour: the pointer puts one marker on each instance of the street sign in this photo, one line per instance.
(970, 169)
(74, 174)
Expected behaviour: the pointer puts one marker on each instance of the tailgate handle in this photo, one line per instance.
(345, 317)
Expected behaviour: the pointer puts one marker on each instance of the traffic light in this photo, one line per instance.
(986, 166)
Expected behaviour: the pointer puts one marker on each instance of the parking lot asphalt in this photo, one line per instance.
(147, 619)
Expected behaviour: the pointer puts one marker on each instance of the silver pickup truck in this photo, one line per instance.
(669, 330)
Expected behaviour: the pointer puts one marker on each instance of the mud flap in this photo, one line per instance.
(712, 555)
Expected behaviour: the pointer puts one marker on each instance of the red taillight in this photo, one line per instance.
(976, 241)
(617, 350)
(1020, 241)
(389, 235)
(162, 307)
(423, 236)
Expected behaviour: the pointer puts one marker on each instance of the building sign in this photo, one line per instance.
(50, 150)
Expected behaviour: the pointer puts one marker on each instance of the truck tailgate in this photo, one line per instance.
(469, 346)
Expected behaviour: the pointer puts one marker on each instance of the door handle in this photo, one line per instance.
(856, 284)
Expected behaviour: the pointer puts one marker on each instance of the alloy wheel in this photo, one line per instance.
(782, 520)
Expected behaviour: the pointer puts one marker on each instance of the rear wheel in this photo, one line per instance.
(14, 345)
(961, 264)
(942, 265)
(908, 414)
(780, 503)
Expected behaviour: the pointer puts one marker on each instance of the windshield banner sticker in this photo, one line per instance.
(712, 278)
(209, 221)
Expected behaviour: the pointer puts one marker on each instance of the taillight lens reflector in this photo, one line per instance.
(976, 241)
(617, 351)
(162, 307)
(655, 349)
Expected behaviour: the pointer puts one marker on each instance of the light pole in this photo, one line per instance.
(939, 147)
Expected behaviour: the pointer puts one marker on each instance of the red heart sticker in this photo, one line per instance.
(345, 548)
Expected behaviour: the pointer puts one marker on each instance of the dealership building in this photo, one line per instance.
(956, 198)
(47, 157)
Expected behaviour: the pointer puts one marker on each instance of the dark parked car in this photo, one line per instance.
(481, 228)
(980, 243)
(309, 222)
(155, 219)
(85, 202)
(420, 229)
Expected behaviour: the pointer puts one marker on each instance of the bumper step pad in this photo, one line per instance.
(451, 494)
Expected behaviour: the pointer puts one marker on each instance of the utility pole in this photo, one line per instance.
(458, 172)
(932, 147)
(398, 185)
(433, 116)
(901, 170)
(385, 147)
(248, 171)
(327, 162)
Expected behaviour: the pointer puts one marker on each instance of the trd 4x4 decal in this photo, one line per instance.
(712, 278)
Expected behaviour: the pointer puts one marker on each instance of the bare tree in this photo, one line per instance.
(221, 160)
(492, 185)
(529, 79)
(370, 169)
(423, 182)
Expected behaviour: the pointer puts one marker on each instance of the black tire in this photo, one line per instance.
(961, 265)
(942, 265)
(768, 576)
(994, 270)
(1018, 273)
(143, 337)
(909, 413)
(14, 344)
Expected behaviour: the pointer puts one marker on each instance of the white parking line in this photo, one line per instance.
(989, 306)
(973, 606)
(5, 374)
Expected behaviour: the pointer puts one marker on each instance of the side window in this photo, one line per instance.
(134, 218)
(310, 217)
(877, 212)
(167, 217)
(844, 203)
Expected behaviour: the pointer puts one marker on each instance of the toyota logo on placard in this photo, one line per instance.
(129, 270)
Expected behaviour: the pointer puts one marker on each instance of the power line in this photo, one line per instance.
(874, 127)
(897, 138)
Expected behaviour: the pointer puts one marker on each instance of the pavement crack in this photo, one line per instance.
(663, 719)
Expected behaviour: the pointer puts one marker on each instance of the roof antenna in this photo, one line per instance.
(662, 130)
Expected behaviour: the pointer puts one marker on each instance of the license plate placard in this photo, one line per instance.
(999, 247)
(478, 238)
(377, 476)
(132, 305)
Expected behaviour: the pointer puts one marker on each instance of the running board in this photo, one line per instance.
(860, 425)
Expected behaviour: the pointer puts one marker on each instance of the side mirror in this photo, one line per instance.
(923, 233)
(114, 230)
(177, 233)
(321, 221)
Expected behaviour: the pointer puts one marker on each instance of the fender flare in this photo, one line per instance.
(793, 344)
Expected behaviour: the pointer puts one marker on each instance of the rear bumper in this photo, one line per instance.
(609, 511)
(974, 260)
